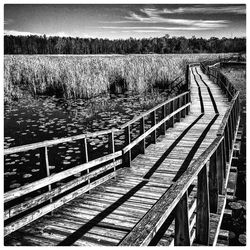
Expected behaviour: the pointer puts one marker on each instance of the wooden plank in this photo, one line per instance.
(144, 231)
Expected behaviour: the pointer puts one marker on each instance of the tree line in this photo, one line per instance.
(162, 45)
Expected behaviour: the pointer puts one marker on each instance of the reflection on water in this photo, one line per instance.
(48, 118)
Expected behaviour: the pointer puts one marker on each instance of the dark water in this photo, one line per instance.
(47, 118)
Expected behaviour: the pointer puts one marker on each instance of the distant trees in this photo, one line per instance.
(162, 45)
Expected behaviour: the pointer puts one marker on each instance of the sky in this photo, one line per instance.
(123, 21)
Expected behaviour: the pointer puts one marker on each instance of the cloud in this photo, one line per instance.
(154, 29)
(153, 16)
(198, 9)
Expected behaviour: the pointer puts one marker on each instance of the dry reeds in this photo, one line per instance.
(89, 76)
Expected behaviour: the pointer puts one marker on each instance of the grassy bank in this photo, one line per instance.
(88, 76)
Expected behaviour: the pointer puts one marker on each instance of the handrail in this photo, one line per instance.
(147, 227)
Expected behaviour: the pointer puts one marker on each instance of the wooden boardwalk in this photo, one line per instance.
(108, 213)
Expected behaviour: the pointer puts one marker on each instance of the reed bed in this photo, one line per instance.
(84, 76)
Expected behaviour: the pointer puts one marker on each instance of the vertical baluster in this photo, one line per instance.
(111, 141)
(230, 129)
(142, 131)
(44, 158)
(224, 162)
(183, 102)
(227, 147)
(153, 122)
(127, 156)
(163, 115)
(202, 216)
(178, 115)
(213, 184)
(171, 120)
(182, 234)
(220, 167)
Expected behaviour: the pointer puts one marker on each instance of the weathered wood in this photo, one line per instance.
(127, 154)
(18, 192)
(151, 110)
(152, 129)
(142, 131)
(48, 143)
(52, 206)
(220, 168)
(144, 231)
(153, 122)
(182, 234)
(171, 108)
(213, 184)
(13, 211)
(163, 115)
(202, 217)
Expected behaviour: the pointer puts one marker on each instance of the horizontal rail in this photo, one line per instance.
(18, 192)
(48, 143)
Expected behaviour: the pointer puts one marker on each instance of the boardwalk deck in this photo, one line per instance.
(106, 214)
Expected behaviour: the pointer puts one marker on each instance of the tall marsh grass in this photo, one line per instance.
(89, 76)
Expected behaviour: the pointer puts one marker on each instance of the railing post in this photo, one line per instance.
(227, 144)
(178, 115)
(182, 234)
(153, 122)
(127, 156)
(220, 167)
(187, 77)
(171, 110)
(202, 216)
(163, 115)
(142, 130)
(111, 141)
(183, 102)
(44, 156)
(213, 184)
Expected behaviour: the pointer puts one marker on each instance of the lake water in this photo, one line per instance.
(47, 118)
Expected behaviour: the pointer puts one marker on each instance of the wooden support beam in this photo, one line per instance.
(153, 122)
(127, 155)
(182, 234)
(171, 107)
(220, 167)
(163, 115)
(142, 130)
(202, 215)
(213, 184)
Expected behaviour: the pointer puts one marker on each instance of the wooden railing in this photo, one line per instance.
(23, 205)
(215, 75)
(216, 161)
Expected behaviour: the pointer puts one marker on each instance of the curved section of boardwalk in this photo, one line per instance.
(110, 211)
